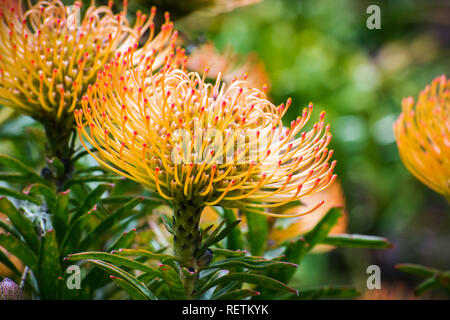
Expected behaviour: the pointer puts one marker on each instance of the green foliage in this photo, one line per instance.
(58, 224)
(434, 278)
(231, 274)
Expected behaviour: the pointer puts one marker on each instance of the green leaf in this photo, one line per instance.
(357, 241)
(18, 195)
(45, 191)
(418, 270)
(168, 224)
(164, 258)
(235, 239)
(215, 236)
(327, 292)
(20, 250)
(132, 291)
(113, 258)
(228, 253)
(49, 267)
(173, 281)
(111, 269)
(124, 212)
(7, 262)
(18, 166)
(253, 264)
(92, 198)
(13, 177)
(426, 285)
(258, 230)
(125, 240)
(60, 213)
(256, 279)
(99, 178)
(9, 229)
(21, 223)
(238, 294)
(73, 234)
(297, 249)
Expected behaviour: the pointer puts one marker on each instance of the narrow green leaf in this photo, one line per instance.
(113, 258)
(168, 224)
(110, 268)
(321, 230)
(132, 291)
(238, 294)
(263, 264)
(164, 258)
(426, 285)
(99, 178)
(123, 212)
(18, 195)
(326, 292)
(173, 281)
(258, 230)
(20, 250)
(125, 240)
(228, 253)
(235, 239)
(18, 166)
(418, 270)
(8, 263)
(220, 235)
(357, 241)
(21, 223)
(49, 267)
(297, 249)
(9, 229)
(45, 191)
(13, 177)
(91, 199)
(73, 234)
(60, 213)
(256, 279)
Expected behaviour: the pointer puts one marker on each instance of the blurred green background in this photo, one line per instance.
(322, 51)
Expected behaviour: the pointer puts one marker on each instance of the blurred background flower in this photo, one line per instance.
(422, 132)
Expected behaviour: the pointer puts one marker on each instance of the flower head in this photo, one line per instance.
(49, 55)
(200, 143)
(422, 132)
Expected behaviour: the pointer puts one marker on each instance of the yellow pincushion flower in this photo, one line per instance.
(48, 55)
(200, 143)
(422, 132)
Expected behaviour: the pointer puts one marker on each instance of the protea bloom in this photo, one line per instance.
(422, 132)
(49, 55)
(200, 144)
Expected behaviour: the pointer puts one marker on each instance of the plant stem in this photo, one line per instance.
(60, 145)
(187, 240)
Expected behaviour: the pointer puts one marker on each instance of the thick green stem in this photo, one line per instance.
(59, 146)
(187, 241)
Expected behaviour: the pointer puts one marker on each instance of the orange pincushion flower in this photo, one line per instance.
(49, 56)
(202, 144)
(422, 132)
